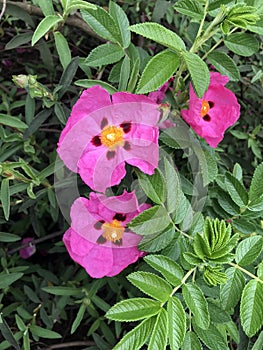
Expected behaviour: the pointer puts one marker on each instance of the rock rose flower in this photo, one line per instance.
(103, 132)
(216, 111)
(98, 238)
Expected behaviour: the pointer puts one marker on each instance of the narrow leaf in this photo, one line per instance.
(44, 26)
(159, 335)
(211, 337)
(173, 184)
(62, 290)
(176, 323)
(122, 21)
(13, 122)
(157, 241)
(256, 187)
(19, 40)
(7, 334)
(124, 73)
(44, 333)
(78, 318)
(62, 49)
(87, 83)
(5, 198)
(153, 185)
(191, 342)
(236, 190)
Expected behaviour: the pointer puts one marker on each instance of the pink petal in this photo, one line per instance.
(126, 97)
(27, 252)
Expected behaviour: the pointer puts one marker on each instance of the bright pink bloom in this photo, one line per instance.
(98, 238)
(216, 111)
(25, 253)
(103, 132)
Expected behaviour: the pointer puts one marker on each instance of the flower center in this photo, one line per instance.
(205, 108)
(112, 136)
(113, 231)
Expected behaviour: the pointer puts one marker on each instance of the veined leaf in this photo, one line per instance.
(217, 314)
(80, 4)
(5, 197)
(104, 54)
(197, 303)
(243, 44)
(62, 49)
(211, 337)
(137, 336)
(133, 309)
(224, 64)
(151, 284)
(160, 34)
(174, 188)
(124, 73)
(7, 279)
(198, 71)
(191, 342)
(159, 335)
(259, 342)
(44, 333)
(86, 83)
(157, 241)
(7, 334)
(13, 122)
(122, 21)
(44, 26)
(251, 307)
(176, 323)
(248, 250)
(157, 71)
(256, 187)
(62, 290)
(190, 8)
(78, 318)
(231, 291)
(236, 190)
(19, 40)
(153, 185)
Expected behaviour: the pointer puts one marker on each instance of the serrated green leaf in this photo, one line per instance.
(190, 8)
(159, 335)
(62, 49)
(157, 71)
(44, 26)
(248, 250)
(104, 54)
(153, 186)
(151, 284)
(243, 224)
(122, 21)
(103, 24)
(197, 303)
(227, 203)
(150, 221)
(157, 241)
(176, 323)
(211, 337)
(137, 336)
(5, 197)
(13, 122)
(44, 333)
(160, 34)
(78, 318)
(236, 190)
(217, 314)
(133, 309)
(198, 71)
(191, 342)
(243, 44)
(170, 270)
(201, 247)
(69, 291)
(230, 292)
(251, 307)
(224, 64)
(173, 184)
(87, 83)
(256, 187)
(192, 259)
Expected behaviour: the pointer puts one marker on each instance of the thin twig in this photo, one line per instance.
(3, 9)
(71, 344)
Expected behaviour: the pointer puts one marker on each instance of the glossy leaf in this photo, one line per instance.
(122, 21)
(211, 337)
(44, 333)
(248, 250)
(44, 26)
(159, 335)
(176, 323)
(243, 44)
(104, 54)
(224, 64)
(62, 49)
(191, 342)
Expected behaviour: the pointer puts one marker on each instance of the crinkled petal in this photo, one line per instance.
(126, 97)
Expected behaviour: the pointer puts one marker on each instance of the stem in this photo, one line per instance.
(236, 266)
(201, 24)
(183, 281)
(3, 9)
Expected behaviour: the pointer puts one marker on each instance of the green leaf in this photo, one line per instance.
(7, 279)
(199, 72)
(78, 318)
(211, 337)
(224, 64)
(79, 4)
(62, 49)
(227, 204)
(5, 198)
(103, 24)
(133, 309)
(44, 333)
(9, 237)
(38, 120)
(44, 26)
(191, 342)
(197, 303)
(217, 314)
(134, 75)
(236, 190)
(122, 21)
(19, 40)
(230, 292)
(170, 270)
(242, 44)
(124, 74)
(66, 291)
(256, 187)
(87, 83)
(150, 221)
(151, 284)
(248, 250)
(153, 185)
(13, 122)
(159, 335)
(60, 113)
(68, 75)
(174, 189)
(7, 334)
(157, 241)
(190, 8)
(46, 7)
(157, 71)
(259, 342)
(137, 336)
(176, 323)
(251, 307)
(104, 54)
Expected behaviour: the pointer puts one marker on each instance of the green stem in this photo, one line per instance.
(183, 281)
(201, 25)
(236, 266)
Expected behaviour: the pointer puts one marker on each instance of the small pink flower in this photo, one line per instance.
(103, 132)
(25, 253)
(98, 238)
(216, 111)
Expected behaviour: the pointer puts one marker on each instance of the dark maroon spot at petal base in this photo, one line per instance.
(118, 243)
(119, 217)
(127, 146)
(98, 224)
(101, 240)
(211, 104)
(110, 155)
(207, 118)
(103, 123)
(126, 127)
(96, 141)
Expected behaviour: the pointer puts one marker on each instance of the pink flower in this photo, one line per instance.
(212, 114)
(98, 238)
(25, 253)
(103, 132)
